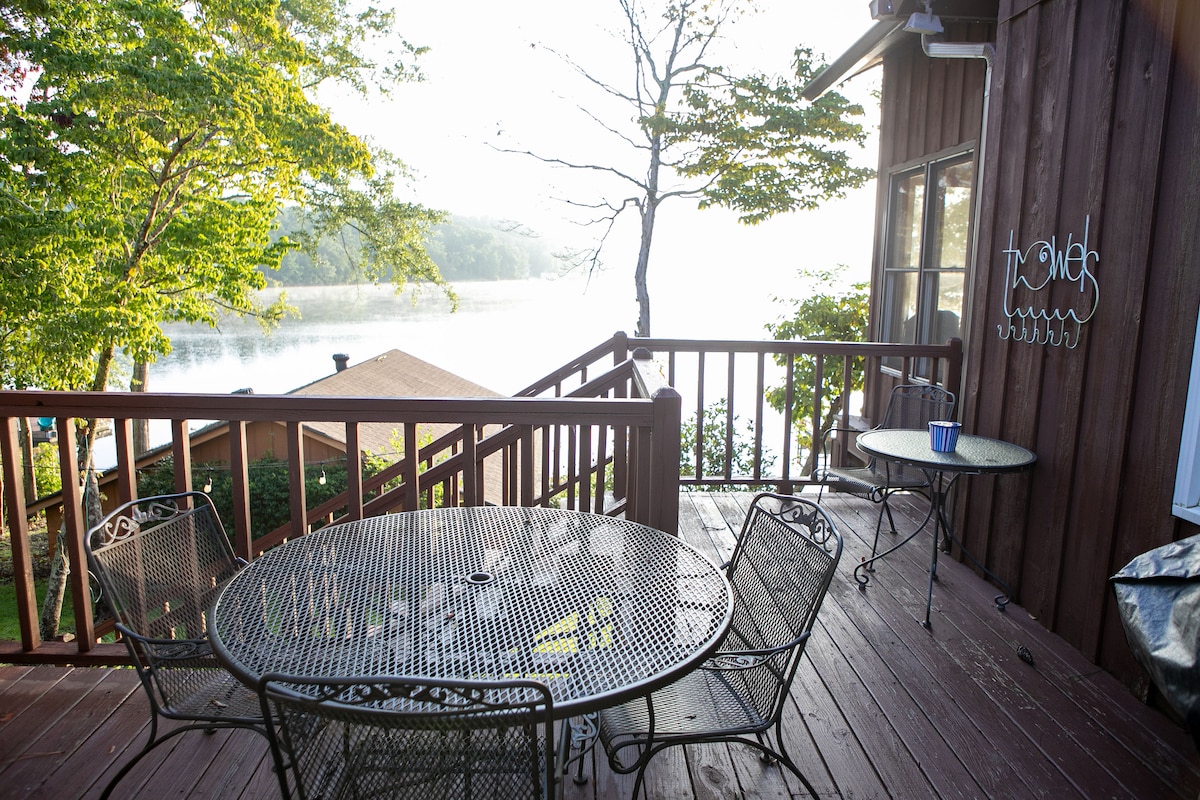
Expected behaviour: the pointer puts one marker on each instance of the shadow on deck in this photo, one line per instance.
(882, 707)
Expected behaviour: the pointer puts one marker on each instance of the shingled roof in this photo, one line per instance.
(391, 374)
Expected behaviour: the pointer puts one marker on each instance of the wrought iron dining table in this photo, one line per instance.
(973, 455)
(598, 608)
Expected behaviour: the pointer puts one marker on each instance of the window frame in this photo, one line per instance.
(889, 275)
(1185, 503)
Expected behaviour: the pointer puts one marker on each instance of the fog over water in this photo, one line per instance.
(504, 336)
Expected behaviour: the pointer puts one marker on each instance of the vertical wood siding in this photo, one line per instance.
(928, 106)
(1094, 115)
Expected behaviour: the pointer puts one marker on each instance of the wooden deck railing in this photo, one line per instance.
(554, 450)
(602, 434)
(725, 384)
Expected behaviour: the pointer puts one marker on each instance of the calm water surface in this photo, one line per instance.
(505, 334)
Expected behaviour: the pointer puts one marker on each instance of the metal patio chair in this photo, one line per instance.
(160, 563)
(395, 738)
(780, 570)
(910, 406)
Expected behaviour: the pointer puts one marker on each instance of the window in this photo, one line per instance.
(928, 250)
(1186, 503)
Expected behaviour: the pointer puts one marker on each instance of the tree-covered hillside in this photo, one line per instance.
(464, 249)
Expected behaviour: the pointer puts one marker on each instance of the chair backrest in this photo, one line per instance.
(915, 406)
(402, 737)
(780, 570)
(160, 562)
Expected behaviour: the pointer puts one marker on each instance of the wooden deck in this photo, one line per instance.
(882, 707)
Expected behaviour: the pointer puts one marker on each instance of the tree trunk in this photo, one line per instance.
(639, 274)
(56, 587)
(141, 427)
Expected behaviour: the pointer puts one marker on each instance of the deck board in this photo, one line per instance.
(882, 707)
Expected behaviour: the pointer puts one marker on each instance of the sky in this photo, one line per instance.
(489, 86)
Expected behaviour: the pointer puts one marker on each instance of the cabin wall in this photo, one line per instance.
(265, 440)
(1093, 131)
(927, 106)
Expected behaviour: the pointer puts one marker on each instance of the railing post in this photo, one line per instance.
(354, 479)
(181, 451)
(664, 460)
(239, 482)
(296, 475)
(126, 460)
(472, 496)
(18, 536)
(74, 529)
(620, 344)
(954, 368)
(412, 467)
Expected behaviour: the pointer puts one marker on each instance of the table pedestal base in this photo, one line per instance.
(939, 489)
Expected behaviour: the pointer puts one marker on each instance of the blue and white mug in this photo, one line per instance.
(943, 435)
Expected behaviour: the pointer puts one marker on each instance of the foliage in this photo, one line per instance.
(744, 142)
(141, 176)
(715, 453)
(839, 315)
(268, 486)
(464, 249)
(374, 463)
(477, 249)
(145, 170)
(47, 474)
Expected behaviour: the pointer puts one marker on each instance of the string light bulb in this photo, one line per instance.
(321, 480)
(208, 484)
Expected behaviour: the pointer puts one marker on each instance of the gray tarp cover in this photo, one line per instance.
(1158, 594)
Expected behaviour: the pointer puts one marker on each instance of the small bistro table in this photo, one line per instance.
(973, 455)
(598, 608)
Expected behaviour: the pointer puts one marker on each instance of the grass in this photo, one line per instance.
(10, 629)
(39, 547)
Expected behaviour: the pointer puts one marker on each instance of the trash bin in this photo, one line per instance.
(1158, 595)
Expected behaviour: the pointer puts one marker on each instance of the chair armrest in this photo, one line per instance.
(821, 473)
(169, 649)
(748, 659)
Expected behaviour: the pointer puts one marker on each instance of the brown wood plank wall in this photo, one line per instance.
(1094, 113)
(928, 106)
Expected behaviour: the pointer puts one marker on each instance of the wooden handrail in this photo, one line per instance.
(558, 441)
(515, 418)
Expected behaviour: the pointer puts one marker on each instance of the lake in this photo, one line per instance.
(504, 336)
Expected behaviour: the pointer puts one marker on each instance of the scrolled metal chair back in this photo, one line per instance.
(915, 406)
(160, 562)
(410, 738)
(780, 569)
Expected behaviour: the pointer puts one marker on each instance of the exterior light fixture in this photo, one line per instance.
(208, 484)
(926, 23)
(321, 480)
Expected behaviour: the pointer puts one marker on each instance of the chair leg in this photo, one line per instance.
(155, 740)
(878, 526)
(891, 520)
(151, 743)
(639, 782)
(786, 760)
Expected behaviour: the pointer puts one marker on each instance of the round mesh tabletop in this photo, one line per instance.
(598, 608)
(971, 453)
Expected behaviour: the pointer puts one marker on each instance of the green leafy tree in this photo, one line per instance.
(46, 471)
(714, 452)
(839, 314)
(700, 131)
(145, 169)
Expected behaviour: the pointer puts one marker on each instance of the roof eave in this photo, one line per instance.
(862, 55)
